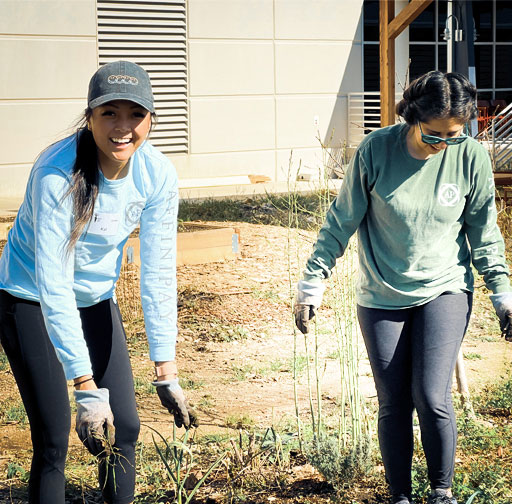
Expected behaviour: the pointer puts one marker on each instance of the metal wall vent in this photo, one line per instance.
(154, 35)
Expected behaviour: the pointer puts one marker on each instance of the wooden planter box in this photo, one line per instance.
(198, 243)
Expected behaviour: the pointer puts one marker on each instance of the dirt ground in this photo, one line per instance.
(235, 347)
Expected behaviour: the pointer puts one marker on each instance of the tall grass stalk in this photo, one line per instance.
(293, 224)
(348, 452)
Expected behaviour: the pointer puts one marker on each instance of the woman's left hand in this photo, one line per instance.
(503, 305)
(172, 397)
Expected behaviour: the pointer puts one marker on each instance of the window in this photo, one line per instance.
(427, 47)
(152, 33)
(493, 48)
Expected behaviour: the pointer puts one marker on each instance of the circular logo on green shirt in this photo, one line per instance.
(449, 195)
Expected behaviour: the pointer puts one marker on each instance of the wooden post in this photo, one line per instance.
(390, 28)
(387, 63)
(462, 385)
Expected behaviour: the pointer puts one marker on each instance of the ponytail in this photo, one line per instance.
(85, 181)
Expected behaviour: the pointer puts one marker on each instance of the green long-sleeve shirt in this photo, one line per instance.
(420, 223)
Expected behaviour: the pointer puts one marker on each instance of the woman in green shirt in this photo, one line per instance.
(420, 195)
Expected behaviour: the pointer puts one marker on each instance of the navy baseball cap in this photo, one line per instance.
(120, 80)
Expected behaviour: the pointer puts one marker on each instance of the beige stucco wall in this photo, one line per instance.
(48, 51)
(267, 77)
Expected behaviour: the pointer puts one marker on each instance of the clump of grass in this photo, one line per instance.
(496, 399)
(240, 373)
(4, 363)
(143, 386)
(272, 209)
(472, 356)
(13, 413)
(188, 383)
(239, 421)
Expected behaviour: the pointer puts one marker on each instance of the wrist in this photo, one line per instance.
(165, 370)
(85, 382)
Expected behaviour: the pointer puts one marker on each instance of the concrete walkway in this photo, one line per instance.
(9, 206)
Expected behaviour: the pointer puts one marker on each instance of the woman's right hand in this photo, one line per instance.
(94, 420)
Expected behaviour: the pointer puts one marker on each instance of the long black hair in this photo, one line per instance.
(85, 179)
(84, 186)
(438, 95)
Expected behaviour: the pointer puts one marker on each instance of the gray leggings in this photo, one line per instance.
(413, 354)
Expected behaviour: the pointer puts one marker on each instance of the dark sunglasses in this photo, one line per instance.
(432, 140)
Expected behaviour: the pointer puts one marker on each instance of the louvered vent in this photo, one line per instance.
(152, 33)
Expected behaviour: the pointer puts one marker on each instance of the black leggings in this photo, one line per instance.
(43, 388)
(413, 354)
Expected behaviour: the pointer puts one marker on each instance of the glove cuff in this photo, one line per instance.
(502, 302)
(172, 384)
(90, 396)
(310, 293)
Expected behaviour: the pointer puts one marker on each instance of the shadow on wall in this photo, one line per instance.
(336, 135)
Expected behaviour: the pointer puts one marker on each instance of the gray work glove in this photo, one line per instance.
(303, 314)
(172, 397)
(94, 420)
(503, 305)
(309, 298)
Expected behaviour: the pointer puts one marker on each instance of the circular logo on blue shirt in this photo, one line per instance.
(132, 212)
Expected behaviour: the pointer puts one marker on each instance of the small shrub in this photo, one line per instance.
(14, 470)
(339, 467)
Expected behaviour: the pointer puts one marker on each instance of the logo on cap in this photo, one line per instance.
(122, 79)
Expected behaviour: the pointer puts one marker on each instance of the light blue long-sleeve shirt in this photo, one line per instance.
(34, 264)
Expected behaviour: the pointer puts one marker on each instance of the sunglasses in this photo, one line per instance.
(432, 140)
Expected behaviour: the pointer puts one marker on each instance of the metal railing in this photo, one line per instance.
(363, 111)
(498, 139)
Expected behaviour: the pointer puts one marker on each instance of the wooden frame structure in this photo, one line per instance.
(389, 28)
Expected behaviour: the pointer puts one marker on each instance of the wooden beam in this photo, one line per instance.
(406, 16)
(387, 63)
(390, 28)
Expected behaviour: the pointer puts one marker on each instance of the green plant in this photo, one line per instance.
(14, 470)
(267, 295)
(178, 458)
(496, 399)
(15, 413)
(143, 386)
(4, 363)
(240, 373)
(239, 421)
(472, 356)
(188, 383)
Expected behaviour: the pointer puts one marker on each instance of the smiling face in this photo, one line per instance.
(119, 127)
(445, 128)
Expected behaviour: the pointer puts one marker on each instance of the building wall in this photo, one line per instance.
(48, 53)
(267, 77)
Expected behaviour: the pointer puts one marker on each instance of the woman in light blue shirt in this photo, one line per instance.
(59, 317)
